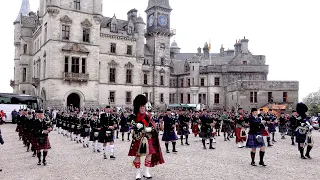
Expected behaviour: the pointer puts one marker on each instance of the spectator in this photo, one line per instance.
(1, 142)
(14, 115)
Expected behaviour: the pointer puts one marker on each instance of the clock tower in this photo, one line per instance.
(158, 37)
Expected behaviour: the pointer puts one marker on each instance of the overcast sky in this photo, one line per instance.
(286, 31)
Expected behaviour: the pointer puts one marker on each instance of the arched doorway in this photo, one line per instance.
(74, 100)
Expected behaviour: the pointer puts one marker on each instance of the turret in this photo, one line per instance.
(244, 45)
(222, 51)
(24, 10)
(174, 49)
(132, 14)
(97, 7)
(139, 29)
(199, 51)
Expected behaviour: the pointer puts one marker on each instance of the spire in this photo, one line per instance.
(159, 3)
(24, 10)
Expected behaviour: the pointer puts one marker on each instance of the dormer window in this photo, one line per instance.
(130, 29)
(113, 27)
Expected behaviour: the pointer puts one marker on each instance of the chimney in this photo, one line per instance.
(222, 51)
(244, 45)
(199, 51)
(237, 48)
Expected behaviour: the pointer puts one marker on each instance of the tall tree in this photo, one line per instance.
(312, 100)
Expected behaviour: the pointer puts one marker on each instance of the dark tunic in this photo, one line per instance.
(168, 129)
(255, 129)
(183, 125)
(95, 124)
(124, 123)
(206, 129)
(107, 134)
(85, 127)
(41, 140)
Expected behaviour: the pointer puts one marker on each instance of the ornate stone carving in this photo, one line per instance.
(74, 47)
(66, 19)
(53, 12)
(77, 77)
(129, 65)
(86, 23)
(162, 71)
(113, 64)
(97, 19)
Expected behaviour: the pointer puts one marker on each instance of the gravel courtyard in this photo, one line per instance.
(69, 160)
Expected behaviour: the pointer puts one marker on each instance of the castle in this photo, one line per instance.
(69, 53)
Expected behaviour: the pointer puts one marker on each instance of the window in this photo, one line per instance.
(129, 76)
(199, 99)
(202, 81)
(83, 66)
(44, 69)
(192, 81)
(75, 65)
(188, 82)
(192, 68)
(113, 27)
(189, 99)
(173, 98)
(270, 97)
(65, 32)
(129, 50)
(86, 35)
(77, 4)
(24, 75)
(173, 82)
(113, 47)
(128, 97)
(181, 82)
(285, 96)
(244, 62)
(66, 64)
(217, 98)
(130, 29)
(112, 75)
(23, 92)
(181, 98)
(162, 61)
(204, 99)
(25, 49)
(112, 97)
(170, 83)
(162, 46)
(170, 98)
(161, 81)
(217, 81)
(161, 98)
(45, 33)
(253, 97)
(145, 79)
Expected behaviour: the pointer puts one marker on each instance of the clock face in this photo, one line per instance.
(151, 20)
(163, 20)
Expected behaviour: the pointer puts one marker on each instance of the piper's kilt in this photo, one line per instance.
(135, 145)
(169, 136)
(226, 128)
(124, 128)
(290, 131)
(238, 135)
(85, 132)
(300, 138)
(77, 130)
(105, 138)
(72, 127)
(206, 133)
(253, 143)
(92, 137)
(183, 131)
(59, 124)
(283, 129)
(195, 129)
(217, 125)
(45, 145)
(272, 128)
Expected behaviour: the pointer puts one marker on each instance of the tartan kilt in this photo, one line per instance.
(135, 145)
(238, 137)
(84, 133)
(28, 137)
(183, 131)
(195, 129)
(169, 136)
(290, 132)
(253, 143)
(206, 134)
(226, 128)
(20, 131)
(59, 124)
(125, 128)
(283, 129)
(45, 145)
(217, 125)
(92, 137)
(77, 131)
(103, 138)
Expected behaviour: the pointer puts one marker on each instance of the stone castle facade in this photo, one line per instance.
(69, 53)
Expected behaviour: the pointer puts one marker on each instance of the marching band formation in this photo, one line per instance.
(101, 127)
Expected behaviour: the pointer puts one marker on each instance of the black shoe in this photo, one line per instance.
(98, 150)
(33, 155)
(211, 147)
(269, 145)
(187, 144)
(168, 151)
(44, 163)
(112, 157)
(122, 139)
(228, 139)
(303, 157)
(262, 164)
(181, 144)
(84, 146)
(204, 147)
(308, 156)
(0, 170)
(274, 141)
(39, 163)
(174, 151)
(87, 145)
(253, 164)
(293, 144)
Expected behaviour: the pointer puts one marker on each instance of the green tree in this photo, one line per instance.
(312, 100)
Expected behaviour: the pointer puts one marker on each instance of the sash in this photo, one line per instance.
(141, 118)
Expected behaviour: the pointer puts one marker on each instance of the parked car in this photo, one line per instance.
(315, 123)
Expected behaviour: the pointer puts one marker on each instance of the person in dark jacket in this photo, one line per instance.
(1, 142)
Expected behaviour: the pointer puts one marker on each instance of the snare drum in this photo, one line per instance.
(96, 134)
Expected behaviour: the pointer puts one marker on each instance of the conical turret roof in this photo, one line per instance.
(24, 9)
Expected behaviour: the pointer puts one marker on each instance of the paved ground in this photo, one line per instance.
(68, 160)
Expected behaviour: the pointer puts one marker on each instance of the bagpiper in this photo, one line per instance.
(240, 131)
(85, 130)
(94, 137)
(169, 135)
(206, 129)
(145, 139)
